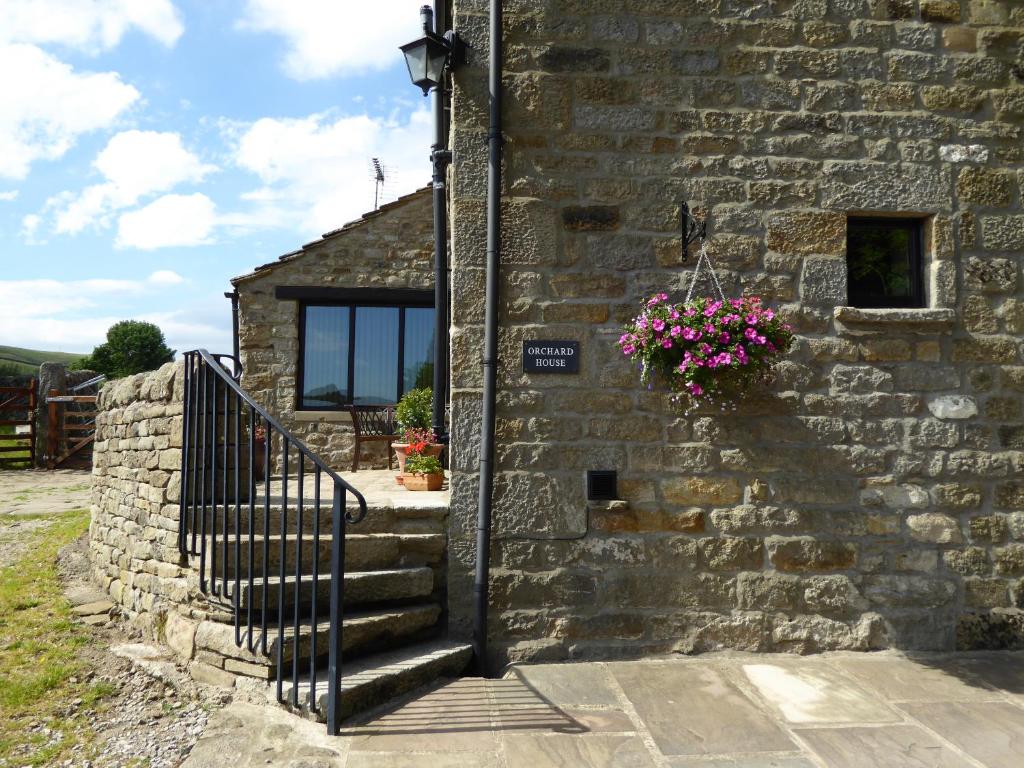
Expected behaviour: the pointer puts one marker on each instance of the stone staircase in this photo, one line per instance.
(394, 598)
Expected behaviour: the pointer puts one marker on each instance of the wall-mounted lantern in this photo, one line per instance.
(427, 57)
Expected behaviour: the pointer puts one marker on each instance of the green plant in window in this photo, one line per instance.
(880, 261)
(415, 409)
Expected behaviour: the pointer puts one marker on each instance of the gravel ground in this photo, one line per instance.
(156, 712)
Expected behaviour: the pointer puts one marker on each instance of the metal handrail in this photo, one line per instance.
(212, 440)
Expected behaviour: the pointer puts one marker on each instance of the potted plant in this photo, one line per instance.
(423, 472)
(706, 350)
(413, 417)
(259, 453)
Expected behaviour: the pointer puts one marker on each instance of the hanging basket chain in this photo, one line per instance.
(704, 262)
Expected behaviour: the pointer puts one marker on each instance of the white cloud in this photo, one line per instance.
(165, 277)
(87, 25)
(315, 171)
(45, 106)
(171, 220)
(135, 164)
(327, 37)
(74, 315)
(9, 195)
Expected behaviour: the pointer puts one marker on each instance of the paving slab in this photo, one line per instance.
(931, 679)
(891, 746)
(693, 709)
(808, 692)
(569, 684)
(753, 761)
(991, 732)
(593, 751)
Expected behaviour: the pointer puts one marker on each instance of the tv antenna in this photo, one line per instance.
(378, 181)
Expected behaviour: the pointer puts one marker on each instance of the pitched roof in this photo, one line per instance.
(362, 220)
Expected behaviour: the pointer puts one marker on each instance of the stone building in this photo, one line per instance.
(371, 266)
(859, 165)
(873, 498)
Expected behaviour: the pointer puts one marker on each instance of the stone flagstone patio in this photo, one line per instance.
(840, 710)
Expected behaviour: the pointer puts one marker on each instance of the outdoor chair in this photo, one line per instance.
(373, 424)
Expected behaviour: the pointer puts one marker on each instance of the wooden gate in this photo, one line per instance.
(72, 426)
(18, 426)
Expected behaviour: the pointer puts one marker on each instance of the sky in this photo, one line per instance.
(150, 150)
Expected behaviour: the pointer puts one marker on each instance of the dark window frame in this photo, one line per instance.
(375, 298)
(915, 227)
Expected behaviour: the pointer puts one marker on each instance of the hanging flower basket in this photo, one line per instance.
(706, 349)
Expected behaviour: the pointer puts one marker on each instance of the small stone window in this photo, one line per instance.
(885, 262)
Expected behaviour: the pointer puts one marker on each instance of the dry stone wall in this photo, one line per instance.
(391, 248)
(873, 498)
(135, 492)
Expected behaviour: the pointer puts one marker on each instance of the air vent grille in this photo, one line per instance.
(602, 485)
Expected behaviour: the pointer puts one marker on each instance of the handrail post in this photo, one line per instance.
(337, 598)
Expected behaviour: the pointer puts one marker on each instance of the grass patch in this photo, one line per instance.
(39, 653)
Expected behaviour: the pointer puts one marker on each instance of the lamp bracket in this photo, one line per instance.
(691, 229)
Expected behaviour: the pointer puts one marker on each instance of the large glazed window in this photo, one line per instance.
(884, 262)
(363, 355)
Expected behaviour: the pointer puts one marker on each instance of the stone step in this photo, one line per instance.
(361, 587)
(374, 680)
(361, 631)
(380, 518)
(363, 552)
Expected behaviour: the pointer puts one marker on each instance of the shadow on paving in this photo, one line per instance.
(470, 705)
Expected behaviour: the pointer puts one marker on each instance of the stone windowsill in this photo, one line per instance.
(907, 320)
(342, 417)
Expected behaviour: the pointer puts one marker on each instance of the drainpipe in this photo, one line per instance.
(490, 359)
(233, 295)
(440, 156)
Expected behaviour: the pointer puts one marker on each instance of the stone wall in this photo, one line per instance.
(133, 537)
(390, 248)
(873, 497)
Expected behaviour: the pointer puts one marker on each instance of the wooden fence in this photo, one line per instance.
(18, 426)
(72, 426)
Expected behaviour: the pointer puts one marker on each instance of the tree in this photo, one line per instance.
(132, 346)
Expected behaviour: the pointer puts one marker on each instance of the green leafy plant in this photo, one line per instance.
(132, 346)
(421, 464)
(415, 409)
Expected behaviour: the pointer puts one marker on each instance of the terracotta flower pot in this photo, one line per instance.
(420, 482)
(402, 450)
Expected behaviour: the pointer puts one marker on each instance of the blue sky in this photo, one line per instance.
(152, 149)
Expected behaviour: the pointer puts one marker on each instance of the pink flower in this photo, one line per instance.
(695, 390)
(750, 333)
(761, 340)
(705, 349)
(666, 343)
(676, 330)
(712, 308)
(709, 329)
(658, 324)
(736, 303)
(724, 338)
(623, 338)
(690, 334)
(642, 323)
(674, 314)
(629, 349)
(768, 314)
(752, 319)
(787, 327)
(690, 312)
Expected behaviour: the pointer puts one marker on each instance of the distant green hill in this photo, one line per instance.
(18, 360)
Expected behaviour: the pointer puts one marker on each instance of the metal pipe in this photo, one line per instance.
(234, 328)
(490, 358)
(440, 157)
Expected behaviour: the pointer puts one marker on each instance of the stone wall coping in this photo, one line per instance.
(923, 319)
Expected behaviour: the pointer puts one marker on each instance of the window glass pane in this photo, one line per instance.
(325, 357)
(376, 358)
(881, 264)
(419, 349)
